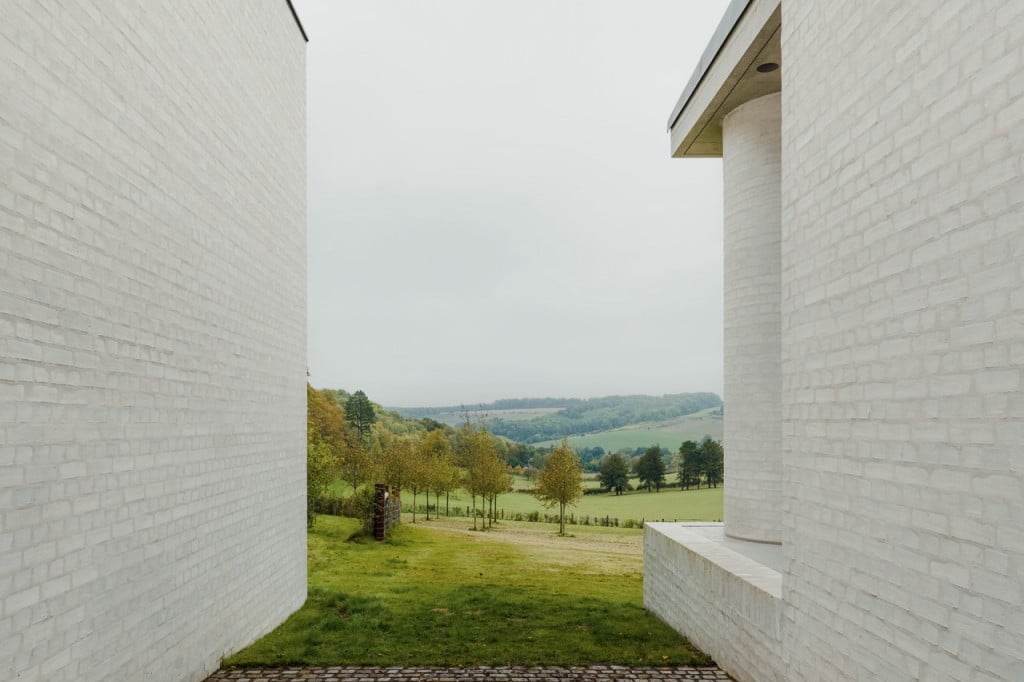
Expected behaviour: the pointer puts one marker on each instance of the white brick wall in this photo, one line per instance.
(152, 334)
(752, 172)
(903, 339)
(726, 604)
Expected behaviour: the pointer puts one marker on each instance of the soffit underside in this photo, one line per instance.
(730, 80)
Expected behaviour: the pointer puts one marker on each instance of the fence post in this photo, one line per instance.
(380, 511)
(395, 512)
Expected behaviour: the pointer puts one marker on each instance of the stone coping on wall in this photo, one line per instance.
(757, 563)
(723, 594)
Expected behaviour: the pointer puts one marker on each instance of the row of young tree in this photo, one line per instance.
(348, 442)
(694, 463)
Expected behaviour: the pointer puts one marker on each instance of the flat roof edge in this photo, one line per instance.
(733, 14)
(298, 22)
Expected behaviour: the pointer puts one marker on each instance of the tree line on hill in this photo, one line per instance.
(694, 463)
(350, 439)
(579, 416)
(516, 454)
(355, 440)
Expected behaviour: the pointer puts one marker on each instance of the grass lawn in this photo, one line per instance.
(442, 595)
(669, 434)
(670, 504)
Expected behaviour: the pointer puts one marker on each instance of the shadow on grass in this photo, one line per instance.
(421, 598)
(469, 625)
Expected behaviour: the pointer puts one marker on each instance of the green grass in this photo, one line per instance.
(457, 418)
(670, 504)
(340, 487)
(429, 597)
(669, 434)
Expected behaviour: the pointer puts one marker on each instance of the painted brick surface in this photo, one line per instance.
(724, 603)
(152, 334)
(903, 339)
(752, 173)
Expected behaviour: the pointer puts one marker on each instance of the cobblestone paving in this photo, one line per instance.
(594, 673)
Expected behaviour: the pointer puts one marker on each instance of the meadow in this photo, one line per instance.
(670, 504)
(668, 434)
(438, 594)
(457, 418)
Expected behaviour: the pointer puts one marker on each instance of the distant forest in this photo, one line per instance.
(574, 416)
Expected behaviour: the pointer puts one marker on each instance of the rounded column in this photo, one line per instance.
(752, 168)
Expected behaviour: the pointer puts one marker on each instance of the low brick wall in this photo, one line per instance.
(726, 604)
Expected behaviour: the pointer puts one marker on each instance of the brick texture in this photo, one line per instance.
(152, 334)
(903, 339)
(752, 174)
(725, 603)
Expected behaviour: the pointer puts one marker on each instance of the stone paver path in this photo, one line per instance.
(593, 673)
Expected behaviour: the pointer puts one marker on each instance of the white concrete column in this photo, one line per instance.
(751, 161)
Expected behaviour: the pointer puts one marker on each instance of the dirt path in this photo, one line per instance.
(603, 550)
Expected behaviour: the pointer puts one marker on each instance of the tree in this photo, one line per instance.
(360, 414)
(444, 480)
(417, 475)
(479, 453)
(320, 466)
(614, 473)
(689, 465)
(651, 468)
(325, 420)
(356, 463)
(393, 458)
(325, 442)
(435, 451)
(713, 460)
(495, 480)
(560, 481)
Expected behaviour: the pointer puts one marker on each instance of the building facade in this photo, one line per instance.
(875, 294)
(152, 334)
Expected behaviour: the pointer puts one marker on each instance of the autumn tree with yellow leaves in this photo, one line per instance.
(560, 481)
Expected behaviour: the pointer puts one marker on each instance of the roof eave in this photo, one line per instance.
(733, 14)
(298, 22)
(727, 76)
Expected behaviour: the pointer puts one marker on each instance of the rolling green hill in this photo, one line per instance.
(543, 420)
(668, 434)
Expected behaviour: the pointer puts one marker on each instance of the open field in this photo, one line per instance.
(437, 594)
(670, 504)
(669, 434)
(456, 418)
(615, 550)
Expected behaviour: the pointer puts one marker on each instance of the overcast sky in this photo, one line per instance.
(493, 211)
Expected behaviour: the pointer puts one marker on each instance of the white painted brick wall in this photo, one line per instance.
(152, 334)
(903, 339)
(726, 604)
(752, 172)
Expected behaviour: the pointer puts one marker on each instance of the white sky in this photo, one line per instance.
(493, 212)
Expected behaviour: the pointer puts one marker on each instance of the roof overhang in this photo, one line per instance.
(298, 22)
(727, 76)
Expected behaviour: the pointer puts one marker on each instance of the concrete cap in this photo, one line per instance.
(728, 75)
